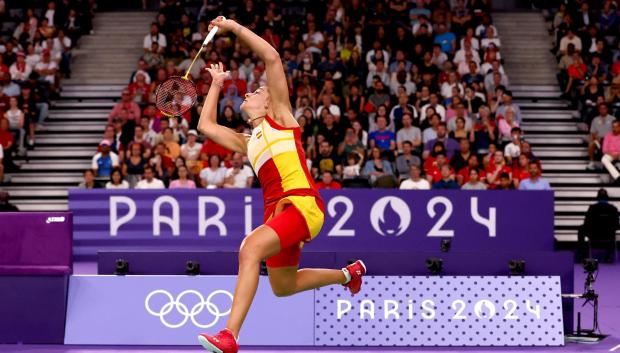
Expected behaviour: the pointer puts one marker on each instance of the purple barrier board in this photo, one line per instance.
(355, 220)
(173, 310)
(390, 311)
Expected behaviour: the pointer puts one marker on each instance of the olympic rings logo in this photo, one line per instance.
(176, 303)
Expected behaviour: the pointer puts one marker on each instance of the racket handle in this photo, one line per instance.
(211, 35)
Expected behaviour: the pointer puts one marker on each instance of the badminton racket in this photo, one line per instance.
(177, 94)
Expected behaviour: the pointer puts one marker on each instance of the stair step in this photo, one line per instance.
(94, 88)
(85, 104)
(46, 178)
(82, 152)
(35, 192)
(92, 94)
(71, 128)
(42, 205)
(546, 140)
(56, 166)
(81, 140)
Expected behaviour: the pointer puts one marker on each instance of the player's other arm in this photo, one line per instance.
(208, 125)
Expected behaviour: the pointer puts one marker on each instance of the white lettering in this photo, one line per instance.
(484, 304)
(173, 222)
(215, 220)
(510, 306)
(436, 231)
(248, 214)
(344, 306)
(489, 223)
(367, 307)
(429, 309)
(458, 306)
(390, 307)
(533, 310)
(337, 230)
(115, 222)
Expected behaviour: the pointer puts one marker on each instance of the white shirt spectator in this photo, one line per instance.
(154, 184)
(19, 75)
(66, 42)
(512, 150)
(113, 157)
(565, 41)
(421, 184)
(460, 56)
(49, 14)
(213, 177)
(481, 28)
(191, 152)
(371, 55)
(33, 59)
(446, 90)
(439, 109)
(410, 87)
(487, 41)
(384, 76)
(123, 185)
(50, 65)
(159, 38)
(333, 109)
(240, 180)
(474, 43)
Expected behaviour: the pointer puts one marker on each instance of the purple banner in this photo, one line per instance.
(173, 310)
(355, 220)
(390, 311)
(443, 311)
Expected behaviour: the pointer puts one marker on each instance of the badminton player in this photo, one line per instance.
(293, 207)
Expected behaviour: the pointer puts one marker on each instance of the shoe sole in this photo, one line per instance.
(208, 345)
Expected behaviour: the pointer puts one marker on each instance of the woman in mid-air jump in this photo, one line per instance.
(293, 207)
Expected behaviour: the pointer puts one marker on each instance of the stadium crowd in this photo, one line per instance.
(588, 53)
(395, 93)
(36, 40)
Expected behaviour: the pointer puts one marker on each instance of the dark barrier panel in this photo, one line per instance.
(35, 264)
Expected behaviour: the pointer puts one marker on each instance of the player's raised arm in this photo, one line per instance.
(208, 125)
(276, 79)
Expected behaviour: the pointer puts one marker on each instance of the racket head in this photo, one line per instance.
(175, 96)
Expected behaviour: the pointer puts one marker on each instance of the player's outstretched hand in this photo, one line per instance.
(224, 24)
(218, 74)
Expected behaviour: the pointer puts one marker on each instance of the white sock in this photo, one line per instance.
(347, 275)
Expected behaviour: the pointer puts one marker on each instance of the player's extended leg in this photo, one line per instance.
(287, 281)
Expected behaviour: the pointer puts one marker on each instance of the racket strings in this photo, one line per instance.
(175, 96)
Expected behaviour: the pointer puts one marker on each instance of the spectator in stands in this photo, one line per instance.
(447, 179)
(182, 179)
(149, 181)
(127, 105)
(104, 161)
(116, 180)
(409, 133)
(611, 150)
(5, 204)
(155, 36)
(191, 151)
(377, 168)
(134, 163)
(415, 180)
(600, 127)
(17, 123)
(20, 70)
(382, 138)
(327, 160)
(535, 181)
(405, 160)
(496, 167)
(504, 182)
(449, 144)
(328, 182)
(239, 175)
(474, 182)
(506, 104)
(214, 174)
(513, 149)
(89, 180)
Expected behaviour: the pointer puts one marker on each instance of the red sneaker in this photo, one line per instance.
(356, 270)
(223, 342)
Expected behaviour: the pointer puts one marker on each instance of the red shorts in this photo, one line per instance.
(296, 220)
